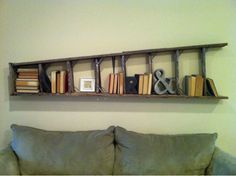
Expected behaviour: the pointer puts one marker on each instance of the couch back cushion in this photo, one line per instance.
(162, 154)
(54, 152)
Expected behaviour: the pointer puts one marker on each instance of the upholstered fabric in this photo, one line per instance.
(8, 162)
(222, 164)
(52, 152)
(162, 154)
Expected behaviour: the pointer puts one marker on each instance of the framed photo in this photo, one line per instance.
(87, 85)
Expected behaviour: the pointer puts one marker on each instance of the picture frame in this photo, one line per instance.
(87, 84)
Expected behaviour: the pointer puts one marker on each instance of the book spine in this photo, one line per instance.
(121, 81)
(27, 83)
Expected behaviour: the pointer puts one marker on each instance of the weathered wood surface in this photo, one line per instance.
(41, 72)
(12, 79)
(98, 86)
(70, 77)
(176, 60)
(203, 68)
(146, 51)
(77, 94)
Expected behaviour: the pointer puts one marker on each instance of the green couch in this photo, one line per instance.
(114, 151)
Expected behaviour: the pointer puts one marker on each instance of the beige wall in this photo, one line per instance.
(34, 29)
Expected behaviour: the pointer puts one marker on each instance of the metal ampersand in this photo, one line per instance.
(163, 85)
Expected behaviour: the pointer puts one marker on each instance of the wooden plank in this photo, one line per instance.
(176, 60)
(97, 70)
(70, 77)
(146, 51)
(12, 79)
(78, 94)
(182, 48)
(150, 67)
(203, 68)
(48, 61)
(41, 72)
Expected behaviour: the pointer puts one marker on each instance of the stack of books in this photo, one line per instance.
(27, 80)
(194, 85)
(144, 83)
(59, 82)
(116, 83)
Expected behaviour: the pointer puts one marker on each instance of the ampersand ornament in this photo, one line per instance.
(163, 85)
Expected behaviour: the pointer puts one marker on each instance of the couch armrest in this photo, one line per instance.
(8, 162)
(222, 164)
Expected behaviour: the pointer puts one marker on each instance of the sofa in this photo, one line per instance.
(114, 151)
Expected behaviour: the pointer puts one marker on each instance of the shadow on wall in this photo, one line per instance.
(111, 104)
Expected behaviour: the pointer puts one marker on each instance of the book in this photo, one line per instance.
(149, 84)
(53, 82)
(33, 70)
(145, 84)
(140, 84)
(111, 83)
(131, 85)
(58, 81)
(199, 86)
(27, 83)
(63, 82)
(21, 79)
(28, 76)
(189, 84)
(121, 83)
(211, 88)
(27, 87)
(192, 85)
(27, 91)
(115, 83)
(186, 85)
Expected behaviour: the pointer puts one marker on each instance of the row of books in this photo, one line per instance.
(144, 83)
(59, 82)
(116, 83)
(194, 86)
(139, 84)
(27, 80)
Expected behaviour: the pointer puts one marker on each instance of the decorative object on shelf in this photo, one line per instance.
(163, 85)
(131, 85)
(87, 85)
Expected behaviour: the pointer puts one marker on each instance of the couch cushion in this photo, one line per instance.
(138, 153)
(55, 152)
